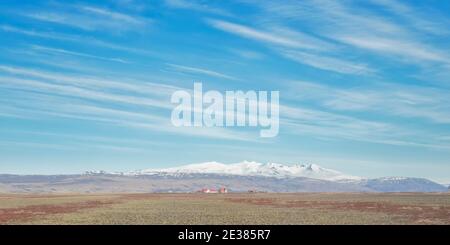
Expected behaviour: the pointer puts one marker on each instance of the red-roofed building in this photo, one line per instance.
(212, 190)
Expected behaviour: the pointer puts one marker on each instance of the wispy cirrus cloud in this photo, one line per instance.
(384, 35)
(79, 54)
(286, 38)
(409, 101)
(71, 146)
(81, 92)
(197, 6)
(52, 35)
(103, 83)
(296, 46)
(83, 98)
(389, 29)
(85, 93)
(114, 15)
(78, 39)
(201, 71)
(390, 46)
(321, 123)
(138, 120)
(417, 18)
(90, 18)
(332, 126)
(247, 54)
(327, 63)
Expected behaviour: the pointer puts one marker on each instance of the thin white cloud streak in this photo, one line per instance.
(406, 35)
(325, 16)
(418, 19)
(90, 18)
(291, 40)
(333, 125)
(79, 54)
(295, 119)
(247, 54)
(214, 133)
(296, 46)
(325, 125)
(138, 120)
(11, 115)
(71, 91)
(88, 24)
(195, 6)
(352, 18)
(328, 122)
(115, 113)
(327, 63)
(8, 143)
(330, 119)
(113, 15)
(384, 36)
(56, 107)
(402, 48)
(444, 138)
(84, 40)
(84, 138)
(362, 131)
(52, 35)
(202, 71)
(89, 82)
(71, 146)
(71, 142)
(407, 101)
(330, 133)
(149, 121)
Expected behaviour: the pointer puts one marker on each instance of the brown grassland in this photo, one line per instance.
(245, 208)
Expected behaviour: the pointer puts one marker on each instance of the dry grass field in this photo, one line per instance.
(258, 208)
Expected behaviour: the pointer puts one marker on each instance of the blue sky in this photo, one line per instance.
(364, 85)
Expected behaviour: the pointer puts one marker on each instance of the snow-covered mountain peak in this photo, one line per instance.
(251, 168)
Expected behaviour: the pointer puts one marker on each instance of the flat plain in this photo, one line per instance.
(232, 208)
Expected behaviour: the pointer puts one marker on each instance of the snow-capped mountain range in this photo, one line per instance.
(247, 168)
(237, 177)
